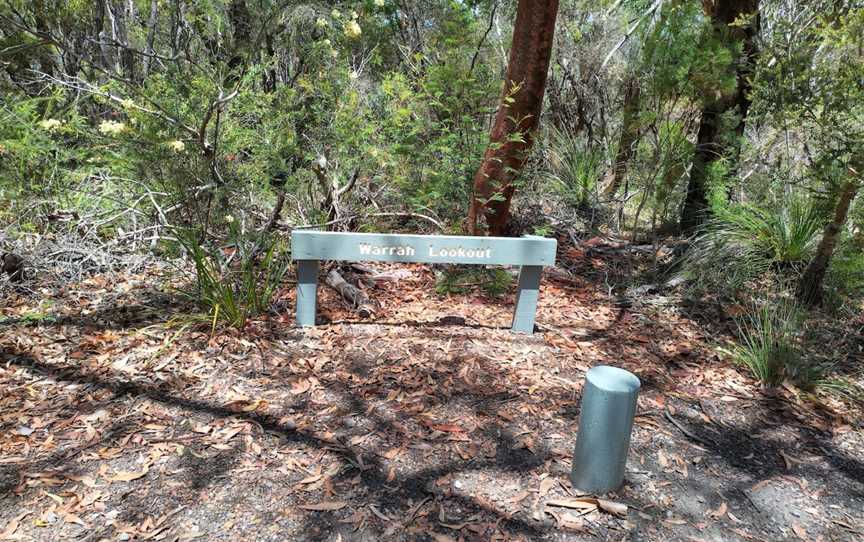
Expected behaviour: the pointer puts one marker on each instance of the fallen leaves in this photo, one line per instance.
(447, 428)
(789, 460)
(11, 527)
(759, 485)
(719, 512)
(247, 405)
(546, 485)
(301, 386)
(567, 521)
(800, 531)
(130, 475)
(389, 400)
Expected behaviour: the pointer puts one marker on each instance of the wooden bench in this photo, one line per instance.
(531, 253)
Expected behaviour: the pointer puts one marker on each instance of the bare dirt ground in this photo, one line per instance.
(115, 425)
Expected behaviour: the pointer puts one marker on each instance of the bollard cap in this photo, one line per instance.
(613, 379)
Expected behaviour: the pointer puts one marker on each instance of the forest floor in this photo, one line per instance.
(119, 420)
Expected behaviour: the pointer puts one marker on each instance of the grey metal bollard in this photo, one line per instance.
(605, 423)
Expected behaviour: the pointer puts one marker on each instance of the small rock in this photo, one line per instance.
(349, 421)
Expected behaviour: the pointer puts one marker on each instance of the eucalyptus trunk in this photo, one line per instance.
(517, 117)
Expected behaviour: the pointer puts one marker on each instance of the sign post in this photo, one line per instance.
(531, 253)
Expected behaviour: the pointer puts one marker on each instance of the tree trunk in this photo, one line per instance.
(152, 21)
(241, 22)
(810, 286)
(517, 117)
(710, 139)
(127, 20)
(629, 135)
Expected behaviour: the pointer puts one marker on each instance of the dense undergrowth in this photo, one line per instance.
(213, 146)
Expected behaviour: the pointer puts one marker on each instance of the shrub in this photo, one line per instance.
(770, 347)
(237, 284)
(746, 241)
(572, 169)
(844, 282)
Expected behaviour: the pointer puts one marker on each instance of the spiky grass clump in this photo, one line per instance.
(769, 345)
(573, 169)
(235, 287)
(745, 242)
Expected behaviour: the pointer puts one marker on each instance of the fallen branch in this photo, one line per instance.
(357, 297)
(630, 31)
(687, 433)
(438, 224)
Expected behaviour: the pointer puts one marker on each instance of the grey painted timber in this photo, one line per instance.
(391, 247)
(605, 423)
(531, 253)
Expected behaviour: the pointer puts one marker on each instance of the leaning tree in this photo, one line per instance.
(518, 114)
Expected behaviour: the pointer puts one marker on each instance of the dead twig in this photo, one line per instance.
(687, 433)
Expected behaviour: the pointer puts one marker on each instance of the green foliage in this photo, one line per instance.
(844, 282)
(494, 281)
(428, 140)
(233, 285)
(573, 169)
(770, 346)
(743, 242)
(37, 139)
(686, 57)
(787, 237)
(662, 160)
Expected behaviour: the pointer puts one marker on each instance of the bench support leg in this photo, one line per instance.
(526, 298)
(307, 292)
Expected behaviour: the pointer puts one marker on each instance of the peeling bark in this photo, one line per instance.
(517, 117)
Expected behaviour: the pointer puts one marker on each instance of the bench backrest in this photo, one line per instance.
(391, 247)
(531, 253)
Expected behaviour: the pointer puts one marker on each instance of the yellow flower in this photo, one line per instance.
(321, 22)
(50, 125)
(379, 3)
(354, 14)
(110, 127)
(127, 104)
(177, 146)
(352, 30)
(335, 14)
